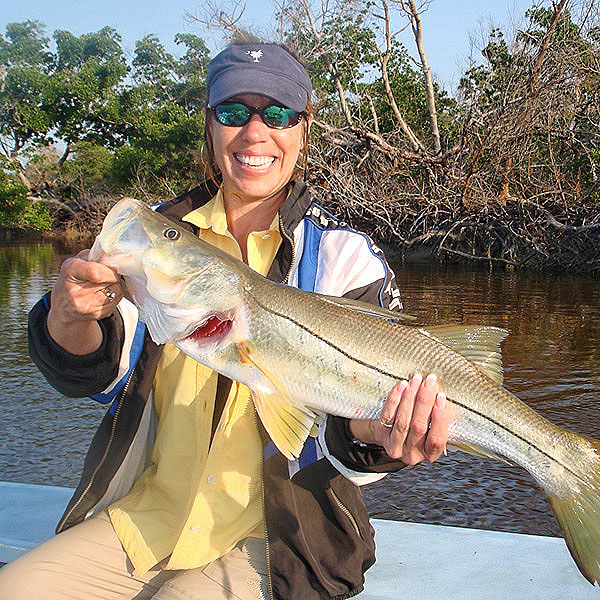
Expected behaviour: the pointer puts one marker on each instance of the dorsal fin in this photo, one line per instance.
(479, 343)
(369, 309)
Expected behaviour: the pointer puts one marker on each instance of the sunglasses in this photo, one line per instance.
(237, 114)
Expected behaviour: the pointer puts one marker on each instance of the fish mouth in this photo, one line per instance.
(212, 326)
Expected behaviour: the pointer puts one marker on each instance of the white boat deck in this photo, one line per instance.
(414, 561)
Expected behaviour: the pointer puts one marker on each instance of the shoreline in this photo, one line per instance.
(517, 237)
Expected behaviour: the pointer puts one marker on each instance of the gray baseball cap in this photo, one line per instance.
(265, 69)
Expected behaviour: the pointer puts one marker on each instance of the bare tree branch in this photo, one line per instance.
(214, 16)
(417, 29)
(535, 72)
(331, 67)
(384, 60)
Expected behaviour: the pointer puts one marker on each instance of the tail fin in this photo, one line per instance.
(579, 519)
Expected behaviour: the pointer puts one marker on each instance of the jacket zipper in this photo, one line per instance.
(346, 511)
(267, 550)
(291, 242)
(104, 456)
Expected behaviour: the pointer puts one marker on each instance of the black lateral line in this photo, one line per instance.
(393, 376)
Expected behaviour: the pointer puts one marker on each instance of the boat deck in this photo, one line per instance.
(414, 561)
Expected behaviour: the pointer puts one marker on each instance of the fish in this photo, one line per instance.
(304, 355)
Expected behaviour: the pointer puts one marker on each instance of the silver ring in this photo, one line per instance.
(387, 425)
(110, 295)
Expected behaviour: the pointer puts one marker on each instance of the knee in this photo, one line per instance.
(22, 580)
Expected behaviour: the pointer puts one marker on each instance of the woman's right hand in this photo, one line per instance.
(83, 293)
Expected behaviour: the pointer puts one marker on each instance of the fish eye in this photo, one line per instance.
(171, 233)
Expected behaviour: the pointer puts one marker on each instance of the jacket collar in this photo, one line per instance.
(291, 213)
(294, 206)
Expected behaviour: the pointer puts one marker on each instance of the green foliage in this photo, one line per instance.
(131, 164)
(487, 86)
(24, 45)
(66, 96)
(73, 52)
(17, 210)
(36, 216)
(84, 89)
(536, 107)
(164, 111)
(192, 69)
(345, 51)
(25, 63)
(408, 90)
(115, 120)
(152, 63)
(90, 164)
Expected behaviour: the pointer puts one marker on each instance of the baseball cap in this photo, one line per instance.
(265, 69)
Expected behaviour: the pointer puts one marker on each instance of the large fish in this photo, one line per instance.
(302, 354)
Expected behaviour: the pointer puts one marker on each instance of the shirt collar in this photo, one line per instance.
(212, 216)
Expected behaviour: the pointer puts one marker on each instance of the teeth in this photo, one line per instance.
(255, 161)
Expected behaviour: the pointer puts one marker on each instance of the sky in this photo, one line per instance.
(451, 28)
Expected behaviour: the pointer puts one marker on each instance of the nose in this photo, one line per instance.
(255, 129)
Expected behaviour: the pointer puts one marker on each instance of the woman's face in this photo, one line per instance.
(256, 161)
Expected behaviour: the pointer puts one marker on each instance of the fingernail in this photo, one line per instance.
(430, 380)
(416, 380)
(401, 385)
(440, 400)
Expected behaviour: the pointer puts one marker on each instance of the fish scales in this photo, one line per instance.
(406, 351)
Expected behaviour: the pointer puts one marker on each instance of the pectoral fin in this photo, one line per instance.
(288, 425)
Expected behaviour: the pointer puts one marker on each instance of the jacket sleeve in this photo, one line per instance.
(70, 374)
(354, 456)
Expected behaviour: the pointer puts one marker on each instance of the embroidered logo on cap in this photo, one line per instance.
(255, 54)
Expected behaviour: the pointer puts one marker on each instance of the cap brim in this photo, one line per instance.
(235, 82)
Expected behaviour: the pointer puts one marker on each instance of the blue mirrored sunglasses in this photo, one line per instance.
(237, 114)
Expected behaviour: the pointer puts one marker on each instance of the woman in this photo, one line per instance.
(183, 495)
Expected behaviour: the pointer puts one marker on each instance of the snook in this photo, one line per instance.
(301, 353)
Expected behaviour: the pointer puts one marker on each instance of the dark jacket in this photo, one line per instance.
(319, 539)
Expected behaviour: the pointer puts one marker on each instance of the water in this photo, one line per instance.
(551, 359)
(43, 435)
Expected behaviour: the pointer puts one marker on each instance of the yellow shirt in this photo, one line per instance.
(197, 499)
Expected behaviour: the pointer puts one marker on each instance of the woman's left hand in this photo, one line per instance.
(414, 422)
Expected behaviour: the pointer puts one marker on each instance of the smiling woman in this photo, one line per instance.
(184, 493)
(254, 141)
(256, 161)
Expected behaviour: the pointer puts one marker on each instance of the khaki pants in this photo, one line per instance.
(87, 562)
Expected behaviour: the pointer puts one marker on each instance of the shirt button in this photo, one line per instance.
(196, 528)
(210, 479)
(266, 236)
(222, 426)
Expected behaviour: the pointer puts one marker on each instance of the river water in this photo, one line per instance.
(551, 361)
